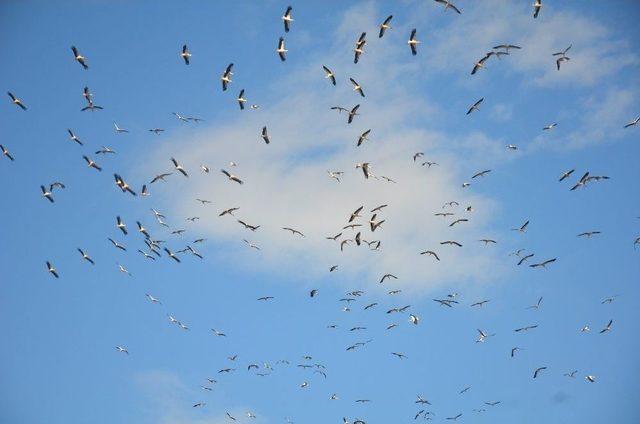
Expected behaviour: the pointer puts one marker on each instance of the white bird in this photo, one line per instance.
(122, 349)
(287, 19)
(413, 42)
(119, 130)
(281, 50)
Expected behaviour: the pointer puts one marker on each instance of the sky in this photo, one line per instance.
(60, 364)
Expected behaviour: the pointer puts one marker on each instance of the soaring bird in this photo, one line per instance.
(265, 135)
(385, 26)
(16, 101)
(475, 106)
(293, 231)
(185, 54)
(5, 152)
(352, 113)
(633, 123)
(607, 328)
(356, 87)
(565, 175)
(179, 167)
(365, 169)
(232, 177)
(74, 137)
(46, 194)
(79, 58)
(413, 42)
(449, 5)
(363, 137)
(226, 77)
(241, 100)
(536, 8)
(122, 349)
(287, 19)
(91, 163)
(479, 64)
(481, 174)
(522, 228)
(52, 270)
(550, 126)
(537, 371)
(359, 49)
(329, 74)
(543, 264)
(119, 130)
(281, 50)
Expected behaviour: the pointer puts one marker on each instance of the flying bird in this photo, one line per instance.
(79, 58)
(384, 26)
(413, 42)
(287, 19)
(281, 50)
(329, 74)
(16, 101)
(185, 54)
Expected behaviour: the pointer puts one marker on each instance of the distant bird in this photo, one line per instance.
(451, 242)
(91, 163)
(449, 5)
(353, 113)
(359, 48)
(104, 150)
(91, 106)
(475, 106)
(413, 42)
(363, 137)
(293, 231)
(117, 245)
(633, 123)
(185, 54)
(431, 253)
(522, 228)
(386, 276)
(481, 174)
(454, 418)
(329, 74)
(265, 135)
(119, 130)
(414, 319)
(86, 257)
(281, 50)
(480, 303)
(47, 194)
(590, 378)
(365, 169)
(537, 305)
(537, 371)
(589, 234)
(226, 77)
(79, 58)
(536, 8)
(179, 167)
(479, 64)
(550, 126)
(152, 299)
(524, 329)
(543, 264)
(52, 270)
(156, 131)
(514, 350)
(16, 101)
(122, 349)
(232, 177)
(73, 137)
(5, 152)
(357, 87)
(384, 26)
(287, 19)
(241, 100)
(607, 328)
(560, 60)
(571, 374)
(565, 175)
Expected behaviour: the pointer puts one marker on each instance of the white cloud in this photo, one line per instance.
(286, 182)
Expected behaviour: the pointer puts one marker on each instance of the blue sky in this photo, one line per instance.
(59, 363)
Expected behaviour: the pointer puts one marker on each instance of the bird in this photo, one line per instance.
(265, 135)
(16, 101)
(185, 54)
(241, 100)
(543, 264)
(117, 245)
(633, 123)
(514, 350)
(454, 418)
(413, 42)
(431, 253)
(91, 106)
(566, 175)
(359, 48)
(91, 163)
(293, 231)
(522, 228)
(226, 76)
(329, 74)
(479, 64)
(105, 150)
(525, 258)
(86, 257)
(352, 113)
(481, 174)
(365, 169)
(179, 167)
(480, 303)
(589, 234)
(52, 270)
(550, 126)
(457, 221)
(5, 152)
(47, 194)
(287, 19)
(527, 328)
(122, 349)
(386, 276)
(537, 304)
(414, 319)
(152, 299)
(73, 137)
(451, 242)
(79, 58)
(384, 26)
(281, 50)
(536, 8)
(590, 378)
(449, 5)
(357, 87)
(537, 371)
(475, 106)
(232, 177)
(118, 129)
(363, 137)
(607, 328)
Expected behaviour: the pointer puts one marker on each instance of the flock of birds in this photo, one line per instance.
(355, 221)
